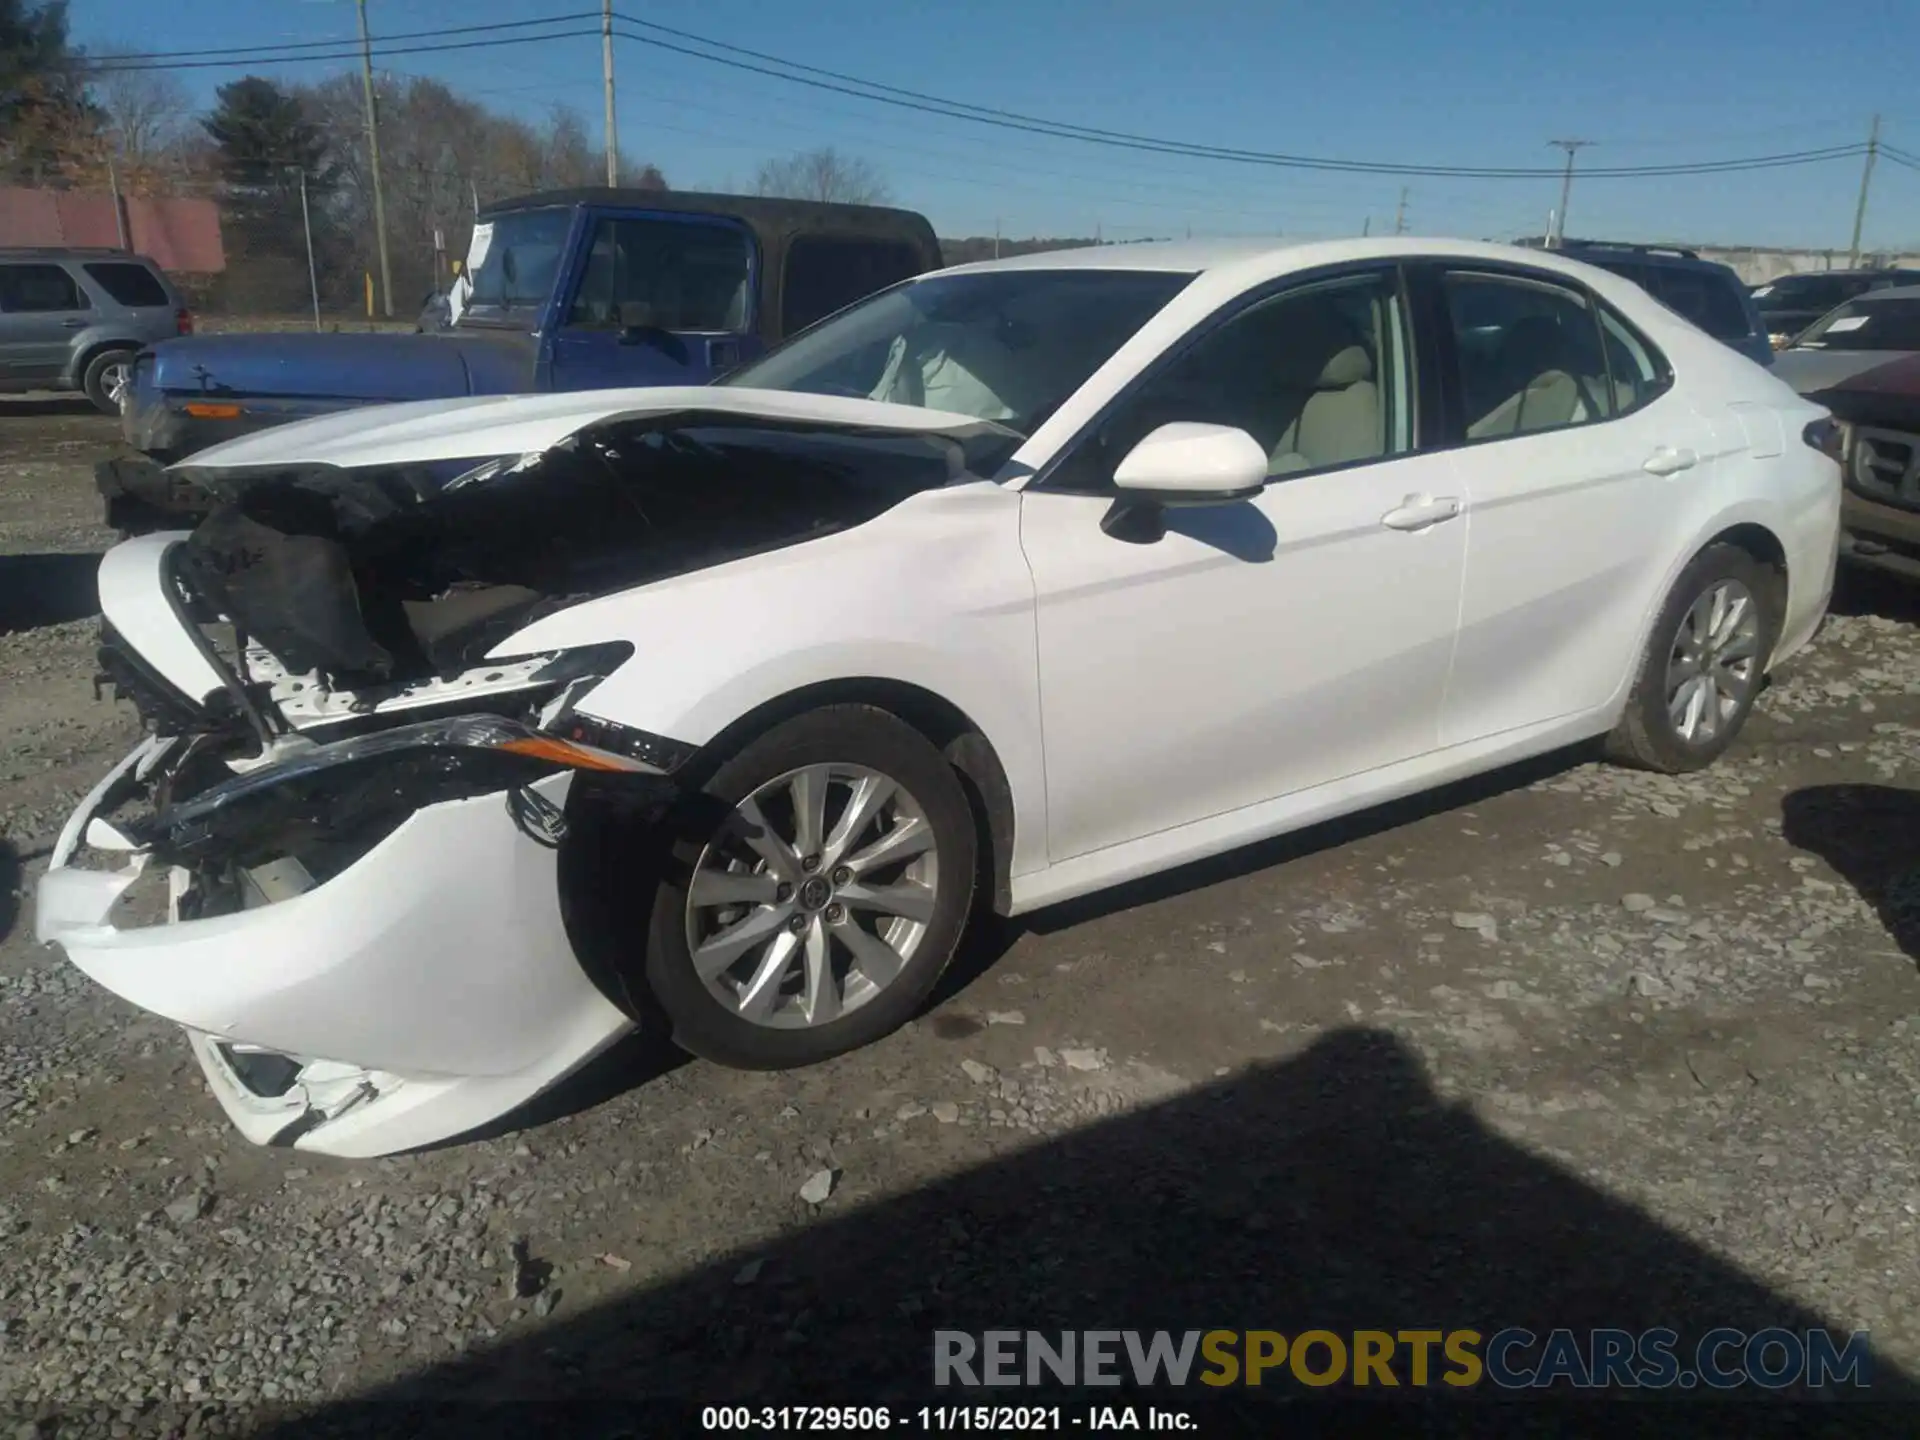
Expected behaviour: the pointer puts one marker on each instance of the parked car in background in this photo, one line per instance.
(732, 707)
(1858, 335)
(1791, 303)
(1878, 407)
(74, 319)
(1704, 291)
(570, 290)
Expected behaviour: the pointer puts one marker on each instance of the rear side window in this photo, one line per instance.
(1529, 355)
(1708, 300)
(131, 285)
(674, 274)
(827, 273)
(38, 289)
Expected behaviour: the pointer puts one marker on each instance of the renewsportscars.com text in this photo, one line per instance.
(1509, 1359)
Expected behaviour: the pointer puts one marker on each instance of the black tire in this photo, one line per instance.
(835, 734)
(1646, 737)
(94, 382)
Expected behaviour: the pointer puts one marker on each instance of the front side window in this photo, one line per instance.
(1887, 324)
(827, 273)
(512, 263)
(1529, 355)
(1003, 345)
(38, 290)
(1318, 375)
(681, 275)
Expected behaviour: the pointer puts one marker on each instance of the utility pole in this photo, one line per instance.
(996, 237)
(1559, 236)
(120, 205)
(1400, 214)
(1866, 177)
(606, 64)
(1366, 227)
(373, 154)
(306, 220)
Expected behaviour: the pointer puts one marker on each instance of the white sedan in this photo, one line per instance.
(485, 730)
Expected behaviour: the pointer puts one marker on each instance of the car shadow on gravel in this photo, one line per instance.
(1859, 591)
(38, 590)
(1335, 1191)
(10, 877)
(1871, 835)
(12, 408)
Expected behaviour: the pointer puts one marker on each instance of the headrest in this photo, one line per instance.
(1348, 367)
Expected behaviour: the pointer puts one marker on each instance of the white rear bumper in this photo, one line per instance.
(428, 988)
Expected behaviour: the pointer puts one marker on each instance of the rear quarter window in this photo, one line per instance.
(827, 273)
(131, 285)
(1708, 300)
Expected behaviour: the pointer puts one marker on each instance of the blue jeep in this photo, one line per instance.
(568, 290)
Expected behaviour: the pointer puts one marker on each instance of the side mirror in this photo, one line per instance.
(1182, 464)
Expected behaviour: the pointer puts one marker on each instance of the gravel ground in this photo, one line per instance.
(1572, 1046)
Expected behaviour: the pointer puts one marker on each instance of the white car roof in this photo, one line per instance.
(1273, 255)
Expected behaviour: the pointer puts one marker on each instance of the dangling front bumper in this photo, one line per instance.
(425, 988)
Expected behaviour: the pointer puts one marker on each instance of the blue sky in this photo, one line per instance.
(1475, 82)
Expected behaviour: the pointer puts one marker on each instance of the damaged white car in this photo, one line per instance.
(482, 731)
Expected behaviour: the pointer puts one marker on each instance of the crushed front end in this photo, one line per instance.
(349, 898)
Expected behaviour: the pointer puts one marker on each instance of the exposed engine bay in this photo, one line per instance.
(369, 579)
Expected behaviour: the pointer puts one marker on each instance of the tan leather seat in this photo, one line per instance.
(1538, 371)
(1341, 421)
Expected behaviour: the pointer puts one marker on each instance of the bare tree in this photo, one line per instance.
(147, 113)
(824, 174)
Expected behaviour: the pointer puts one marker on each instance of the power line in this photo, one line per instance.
(115, 61)
(352, 52)
(816, 77)
(1014, 120)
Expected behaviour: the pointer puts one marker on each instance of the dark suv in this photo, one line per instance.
(1703, 291)
(1791, 303)
(74, 319)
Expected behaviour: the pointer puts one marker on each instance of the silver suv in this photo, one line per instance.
(74, 319)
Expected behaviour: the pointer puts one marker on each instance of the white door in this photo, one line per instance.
(1262, 647)
(1573, 445)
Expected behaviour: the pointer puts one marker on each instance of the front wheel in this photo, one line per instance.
(1703, 666)
(817, 887)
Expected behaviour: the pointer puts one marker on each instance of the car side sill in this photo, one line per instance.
(1202, 839)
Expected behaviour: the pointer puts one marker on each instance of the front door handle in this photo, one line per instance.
(1418, 512)
(1670, 461)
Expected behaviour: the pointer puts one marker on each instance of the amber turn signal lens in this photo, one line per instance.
(561, 752)
(213, 412)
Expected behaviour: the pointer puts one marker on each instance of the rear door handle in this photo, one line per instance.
(74, 324)
(1418, 512)
(1669, 461)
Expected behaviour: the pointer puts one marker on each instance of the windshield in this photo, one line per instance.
(1867, 325)
(511, 265)
(1003, 345)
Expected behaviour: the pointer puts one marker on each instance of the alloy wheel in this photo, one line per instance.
(115, 379)
(813, 896)
(1714, 662)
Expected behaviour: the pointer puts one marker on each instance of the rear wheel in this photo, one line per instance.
(106, 379)
(817, 887)
(1703, 666)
